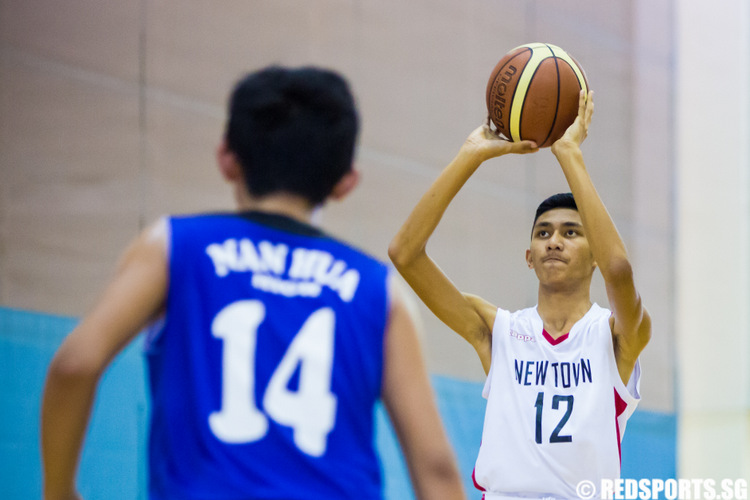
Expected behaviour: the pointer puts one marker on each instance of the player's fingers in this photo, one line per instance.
(488, 123)
(488, 132)
(525, 147)
(582, 97)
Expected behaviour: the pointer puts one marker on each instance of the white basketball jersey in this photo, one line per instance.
(556, 408)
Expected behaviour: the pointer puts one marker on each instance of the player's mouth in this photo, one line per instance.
(554, 258)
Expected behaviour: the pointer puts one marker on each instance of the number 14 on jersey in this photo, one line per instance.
(310, 410)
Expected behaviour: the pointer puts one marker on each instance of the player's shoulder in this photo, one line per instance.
(598, 314)
(197, 223)
(275, 242)
(269, 223)
(524, 320)
(524, 314)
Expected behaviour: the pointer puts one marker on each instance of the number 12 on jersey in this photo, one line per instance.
(310, 410)
(555, 437)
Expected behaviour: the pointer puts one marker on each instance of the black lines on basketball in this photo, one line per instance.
(532, 93)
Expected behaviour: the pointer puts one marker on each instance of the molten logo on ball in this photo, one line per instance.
(532, 93)
(499, 91)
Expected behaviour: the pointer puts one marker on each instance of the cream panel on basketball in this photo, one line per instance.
(70, 160)
(540, 53)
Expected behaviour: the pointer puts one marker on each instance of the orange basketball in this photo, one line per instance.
(533, 92)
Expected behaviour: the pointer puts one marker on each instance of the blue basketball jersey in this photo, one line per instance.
(266, 370)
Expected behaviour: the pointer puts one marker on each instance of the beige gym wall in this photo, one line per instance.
(110, 112)
(713, 239)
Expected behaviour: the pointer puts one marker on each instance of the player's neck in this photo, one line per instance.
(290, 205)
(560, 310)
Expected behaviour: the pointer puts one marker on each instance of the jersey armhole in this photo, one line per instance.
(152, 331)
(630, 392)
(634, 384)
(502, 325)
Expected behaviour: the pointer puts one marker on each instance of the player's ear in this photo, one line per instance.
(345, 185)
(529, 262)
(227, 161)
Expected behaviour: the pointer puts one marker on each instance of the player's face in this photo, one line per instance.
(559, 251)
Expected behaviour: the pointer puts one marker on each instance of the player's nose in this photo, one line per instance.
(555, 241)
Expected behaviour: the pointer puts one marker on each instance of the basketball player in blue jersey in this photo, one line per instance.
(270, 342)
(563, 375)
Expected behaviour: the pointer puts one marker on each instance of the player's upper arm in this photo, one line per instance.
(488, 313)
(408, 397)
(630, 322)
(135, 295)
(465, 314)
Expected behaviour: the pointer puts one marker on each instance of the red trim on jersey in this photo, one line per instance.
(620, 407)
(552, 341)
(474, 478)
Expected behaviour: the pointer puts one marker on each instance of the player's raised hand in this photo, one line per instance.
(487, 144)
(577, 132)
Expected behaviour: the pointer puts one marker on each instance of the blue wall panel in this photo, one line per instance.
(113, 463)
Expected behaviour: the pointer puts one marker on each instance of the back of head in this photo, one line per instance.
(560, 200)
(293, 130)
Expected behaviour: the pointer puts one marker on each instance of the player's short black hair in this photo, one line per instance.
(559, 200)
(293, 130)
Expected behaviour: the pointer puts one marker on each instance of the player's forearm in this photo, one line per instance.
(66, 406)
(440, 483)
(411, 240)
(605, 241)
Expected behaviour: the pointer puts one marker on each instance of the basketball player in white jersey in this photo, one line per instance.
(563, 375)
